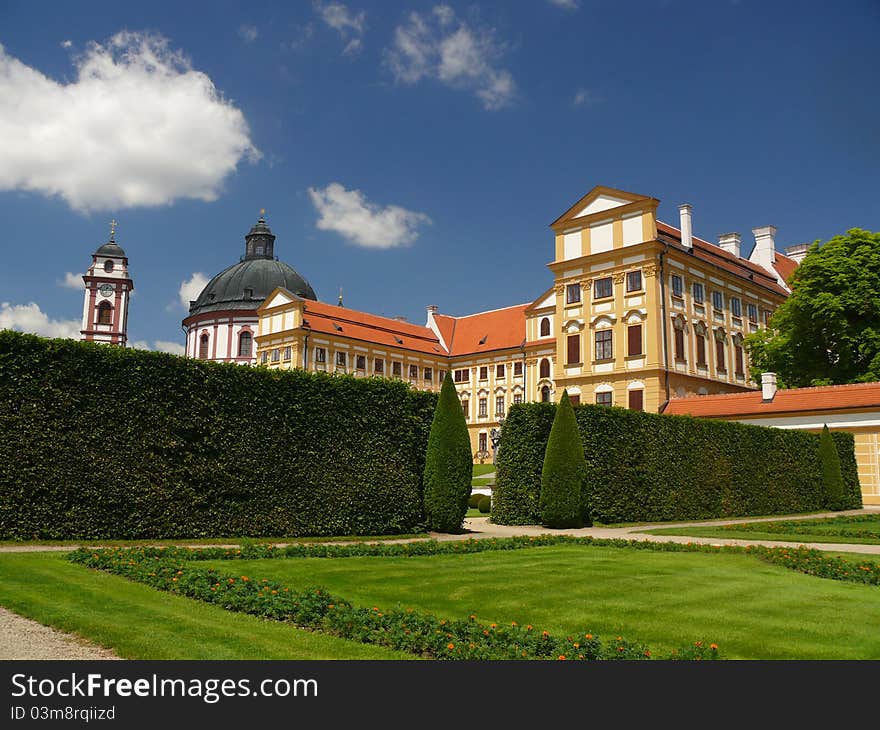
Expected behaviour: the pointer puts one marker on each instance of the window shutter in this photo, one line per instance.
(634, 335)
(636, 400)
(574, 349)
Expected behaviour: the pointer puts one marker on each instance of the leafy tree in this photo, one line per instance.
(832, 477)
(448, 465)
(564, 472)
(828, 331)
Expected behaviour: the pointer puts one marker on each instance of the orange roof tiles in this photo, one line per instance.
(784, 265)
(793, 400)
(498, 329)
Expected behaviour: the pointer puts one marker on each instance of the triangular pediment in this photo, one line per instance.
(277, 298)
(547, 299)
(599, 200)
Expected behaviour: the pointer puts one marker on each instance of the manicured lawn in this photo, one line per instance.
(480, 469)
(753, 610)
(859, 530)
(474, 512)
(138, 622)
(482, 482)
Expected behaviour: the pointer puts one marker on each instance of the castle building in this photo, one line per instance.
(640, 312)
(108, 288)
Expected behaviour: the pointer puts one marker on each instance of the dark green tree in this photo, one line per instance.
(448, 464)
(828, 331)
(564, 472)
(832, 477)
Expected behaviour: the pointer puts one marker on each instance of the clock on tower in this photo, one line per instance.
(108, 287)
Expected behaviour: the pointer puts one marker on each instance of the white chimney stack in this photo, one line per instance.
(797, 252)
(687, 226)
(768, 386)
(764, 253)
(731, 242)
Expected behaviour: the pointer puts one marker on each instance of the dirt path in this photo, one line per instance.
(21, 638)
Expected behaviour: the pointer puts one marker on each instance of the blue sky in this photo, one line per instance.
(412, 153)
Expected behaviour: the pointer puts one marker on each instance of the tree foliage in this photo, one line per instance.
(448, 465)
(832, 477)
(564, 471)
(828, 331)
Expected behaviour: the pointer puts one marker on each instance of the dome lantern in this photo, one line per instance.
(260, 241)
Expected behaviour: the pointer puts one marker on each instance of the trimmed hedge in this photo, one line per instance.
(105, 442)
(645, 467)
(832, 478)
(562, 500)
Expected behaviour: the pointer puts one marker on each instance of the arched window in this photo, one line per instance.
(545, 368)
(203, 346)
(108, 266)
(545, 327)
(105, 313)
(245, 344)
(545, 394)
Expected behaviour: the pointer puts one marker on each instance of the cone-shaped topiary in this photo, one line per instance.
(564, 472)
(448, 464)
(832, 477)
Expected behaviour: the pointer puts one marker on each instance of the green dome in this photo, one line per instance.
(111, 248)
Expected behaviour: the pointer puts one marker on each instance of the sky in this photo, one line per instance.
(411, 153)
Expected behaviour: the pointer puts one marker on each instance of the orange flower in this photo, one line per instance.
(647, 652)
(713, 647)
(562, 657)
(513, 623)
(545, 633)
(698, 643)
(529, 627)
(588, 636)
(450, 646)
(245, 578)
(493, 626)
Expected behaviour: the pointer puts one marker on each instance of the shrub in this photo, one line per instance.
(562, 475)
(448, 464)
(105, 442)
(485, 505)
(474, 500)
(646, 467)
(832, 478)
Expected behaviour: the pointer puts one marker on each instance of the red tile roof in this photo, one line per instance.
(784, 265)
(725, 260)
(793, 400)
(498, 329)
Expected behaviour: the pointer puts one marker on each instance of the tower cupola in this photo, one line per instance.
(260, 241)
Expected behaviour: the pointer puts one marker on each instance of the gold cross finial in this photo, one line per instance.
(262, 212)
(112, 228)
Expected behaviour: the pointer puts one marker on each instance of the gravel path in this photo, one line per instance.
(21, 638)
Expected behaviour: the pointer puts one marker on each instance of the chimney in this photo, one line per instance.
(731, 242)
(797, 252)
(432, 310)
(764, 253)
(768, 386)
(687, 227)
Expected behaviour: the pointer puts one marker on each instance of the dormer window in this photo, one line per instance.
(248, 293)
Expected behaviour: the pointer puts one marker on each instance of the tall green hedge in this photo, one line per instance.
(104, 442)
(650, 467)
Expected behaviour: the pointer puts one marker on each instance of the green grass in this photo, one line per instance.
(480, 469)
(483, 482)
(752, 609)
(474, 512)
(138, 622)
(857, 530)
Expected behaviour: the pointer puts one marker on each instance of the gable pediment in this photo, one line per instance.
(600, 200)
(277, 298)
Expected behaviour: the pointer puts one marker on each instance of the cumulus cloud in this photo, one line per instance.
(30, 318)
(191, 288)
(72, 281)
(137, 126)
(439, 46)
(363, 223)
(347, 23)
(248, 33)
(161, 345)
(565, 4)
(66, 44)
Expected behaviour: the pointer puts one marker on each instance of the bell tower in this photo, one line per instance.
(108, 288)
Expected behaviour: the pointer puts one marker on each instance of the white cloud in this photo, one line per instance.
(584, 96)
(72, 281)
(67, 44)
(565, 4)
(175, 348)
(191, 288)
(350, 214)
(439, 46)
(248, 33)
(138, 126)
(348, 24)
(30, 318)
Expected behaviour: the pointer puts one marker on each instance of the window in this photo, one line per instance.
(634, 280)
(677, 286)
(413, 372)
(720, 365)
(287, 353)
(603, 288)
(465, 407)
(634, 339)
(499, 405)
(603, 399)
(484, 373)
(517, 368)
(320, 355)
(441, 376)
(545, 394)
(767, 314)
(736, 307)
(603, 345)
(572, 293)
(245, 344)
(738, 359)
(637, 400)
(679, 344)
(517, 398)
(575, 400)
(203, 347)
(360, 362)
(108, 266)
(341, 359)
(574, 349)
(701, 349)
(264, 356)
(276, 354)
(248, 293)
(717, 301)
(699, 294)
(378, 366)
(396, 369)
(544, 368)
(499, 371)
(482, 412)
(461, 376)
(753, 313)
(483, 442)
(105, 313)
(545, 327)
(429, 374)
